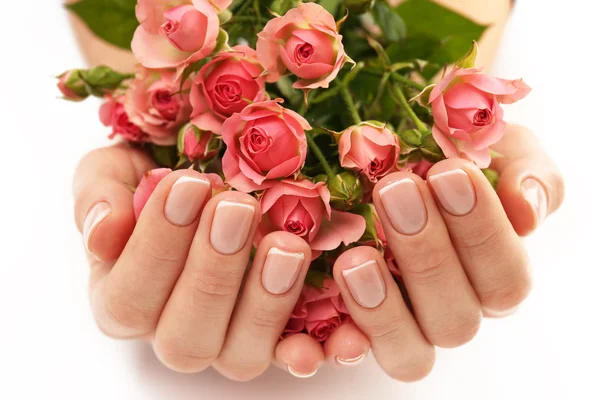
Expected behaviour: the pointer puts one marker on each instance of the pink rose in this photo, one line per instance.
(149, 182)
(304, 42)
(155, 104)
(319, 312)
(112, 113)
(370, 148)
(174, 33)
(467, 113)
(198, 145)
(420, 168)
(302, 208)
(265, 142)
(224, 86)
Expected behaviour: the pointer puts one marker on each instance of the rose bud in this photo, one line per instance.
(346, 190)
(198, 145)
(420, 168)
(155, 103)
(175, 36)
(72, 86)
(467, 113)
(369, 147)
(302, 208)
(113, 114)
(149, 182)
(224, 86)
(304, 42)
(265, 142)
(318, 312)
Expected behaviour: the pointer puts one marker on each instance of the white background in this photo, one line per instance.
(50, 347)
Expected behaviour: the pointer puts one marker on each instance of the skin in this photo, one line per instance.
(157, 281)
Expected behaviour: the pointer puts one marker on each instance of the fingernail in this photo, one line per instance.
(185, 200)
(300, 374)
(404, 206)
(231, 226)
(535, 195)
(366, 284)
(94, 217)
(351, 362)
(281, 270)
(455, 191)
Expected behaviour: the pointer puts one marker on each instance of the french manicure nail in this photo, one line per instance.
(455, 191)
(281, 270)
(231, 226)
(366, 284)
(92, 220)
(535, 195)
(351, 362)
(185, 200)
(404, 206)
(300, 374)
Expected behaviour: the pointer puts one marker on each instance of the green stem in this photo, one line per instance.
(350, 105)
(408, 82)
(319, 154)
(408, 110)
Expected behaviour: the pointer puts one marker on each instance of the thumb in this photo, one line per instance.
(530, 186)
(103, 190)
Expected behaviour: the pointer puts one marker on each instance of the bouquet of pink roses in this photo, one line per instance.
(304, 105)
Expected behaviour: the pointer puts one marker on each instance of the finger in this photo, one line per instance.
(128, 301)
(376, 305)
(300, 355)
(443, 300)
(347, 346)
(271, 290)
(530, 185)
(192, 328)
(490, 250)
(104, 199)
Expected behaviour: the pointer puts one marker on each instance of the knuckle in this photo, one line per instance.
(415, 368)
(209, 285)
(180, 357)
(156, 252)
(389, 330)
(268, 318)
(429, 269)
(507, 293)
(240, 371)
(127, 318)
(456, 331)
(482, 238)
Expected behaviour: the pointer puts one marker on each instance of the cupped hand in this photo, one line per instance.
(179, 277)
(457, 246)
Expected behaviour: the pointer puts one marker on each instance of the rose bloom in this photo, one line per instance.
(467, 113)
(149, 182)
(319, 312)
(175, 33)
(198, 145)
(113, 114)
(302, 208)
(265, 142)
(154, 104)
(224, 86)
(370, 148)
(304, 42)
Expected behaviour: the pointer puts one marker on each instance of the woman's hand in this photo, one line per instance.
(456, 243)
(178, 277)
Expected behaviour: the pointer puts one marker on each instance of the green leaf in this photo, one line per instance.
(113, 21)
(468, 60)
(392, 25)
(315, 278)
(454, 32)
(367, 212)
(330, 5)
(165, 156)
(492, 176)
(282, 6)
(294, 96)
